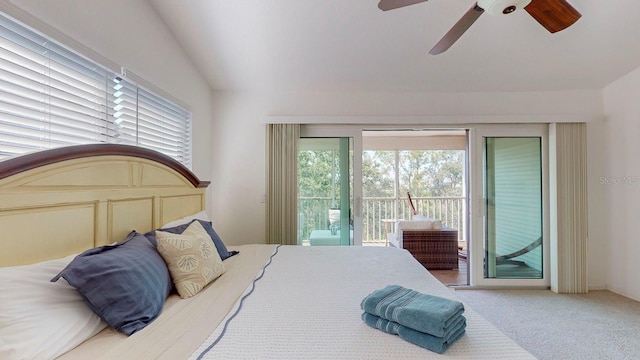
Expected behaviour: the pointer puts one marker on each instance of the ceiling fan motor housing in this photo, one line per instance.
(500, 7)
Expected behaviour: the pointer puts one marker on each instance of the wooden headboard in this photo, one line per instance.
(63, 201)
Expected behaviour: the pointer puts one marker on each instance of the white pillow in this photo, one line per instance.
(40, 319)
(423, 224)
(202, 215)
(415, 225)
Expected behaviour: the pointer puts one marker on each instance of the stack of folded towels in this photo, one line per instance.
(425, 320)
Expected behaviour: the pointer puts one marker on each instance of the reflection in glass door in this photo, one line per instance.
(513, 221)
(325, 191)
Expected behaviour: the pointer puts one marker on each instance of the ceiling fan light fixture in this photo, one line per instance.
(500, 7)
(554, 15)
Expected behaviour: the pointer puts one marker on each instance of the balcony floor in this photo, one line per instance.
(459, 277)
(452, 277)
(504, 271)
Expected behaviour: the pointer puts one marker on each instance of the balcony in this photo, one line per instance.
(379, 214)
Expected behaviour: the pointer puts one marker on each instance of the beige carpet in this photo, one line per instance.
(597, 325)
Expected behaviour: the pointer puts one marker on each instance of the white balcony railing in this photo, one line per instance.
(314, 214)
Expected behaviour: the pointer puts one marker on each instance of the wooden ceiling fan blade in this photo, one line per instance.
(385, 5)
(554, 15)
(457, 30)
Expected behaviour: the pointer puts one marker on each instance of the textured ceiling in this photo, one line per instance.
(350, 45)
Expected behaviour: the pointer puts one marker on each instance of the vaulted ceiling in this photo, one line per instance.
(351, 45)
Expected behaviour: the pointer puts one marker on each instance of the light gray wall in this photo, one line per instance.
(240, 118)
(239, 136)
(619, 181)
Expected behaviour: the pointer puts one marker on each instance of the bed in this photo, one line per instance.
(271, 302)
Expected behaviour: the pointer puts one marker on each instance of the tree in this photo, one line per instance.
(314, 173)
(424, 173)
(431, 173)
(378, 173)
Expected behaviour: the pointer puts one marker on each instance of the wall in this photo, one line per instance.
(130, 34)
(619, 181)
(239, 133)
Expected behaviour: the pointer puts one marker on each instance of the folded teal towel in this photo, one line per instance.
(425, 313)
(433, 343)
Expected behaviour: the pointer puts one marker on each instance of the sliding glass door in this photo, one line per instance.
(510, 231)
(325, 173)
(513, 220)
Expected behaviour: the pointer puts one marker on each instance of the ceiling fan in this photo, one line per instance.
(554, 15)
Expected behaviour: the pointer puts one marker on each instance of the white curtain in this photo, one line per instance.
(282, 183)
(568, 147)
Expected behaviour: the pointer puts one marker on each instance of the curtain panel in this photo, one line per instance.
(569, 208)
(282, 184)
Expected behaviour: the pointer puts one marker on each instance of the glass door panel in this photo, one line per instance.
(513, 221)
(325, 199)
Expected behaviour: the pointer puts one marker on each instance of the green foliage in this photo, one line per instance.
(315, 177)
(431, 173)
(378, 173)
(423, 173)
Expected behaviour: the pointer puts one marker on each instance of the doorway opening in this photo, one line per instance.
(496, 200)
(431, 166)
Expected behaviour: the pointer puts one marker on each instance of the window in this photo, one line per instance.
(143, 118)
(52, 96)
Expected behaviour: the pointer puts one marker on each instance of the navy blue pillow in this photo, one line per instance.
(222, 249)
(126, 284)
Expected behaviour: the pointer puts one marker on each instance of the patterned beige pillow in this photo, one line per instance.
(191, 257)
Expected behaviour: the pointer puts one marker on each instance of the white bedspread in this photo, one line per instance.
(307, 306)
(184, 323)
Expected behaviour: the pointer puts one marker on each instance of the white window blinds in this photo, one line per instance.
(148, 120)
(51, 97)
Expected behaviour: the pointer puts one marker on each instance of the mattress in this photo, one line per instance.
(295, 302)
(306, 305)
